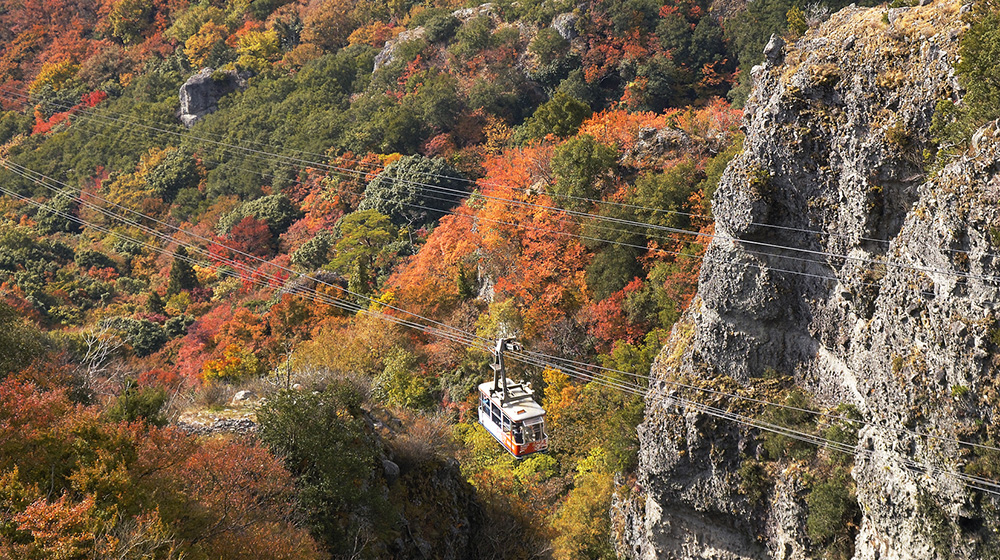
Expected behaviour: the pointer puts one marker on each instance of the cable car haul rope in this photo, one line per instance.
(507, 410)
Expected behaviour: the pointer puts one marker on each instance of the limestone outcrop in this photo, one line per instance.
(853, 267)
(201, 93)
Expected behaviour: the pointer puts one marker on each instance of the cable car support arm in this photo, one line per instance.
(499, 369)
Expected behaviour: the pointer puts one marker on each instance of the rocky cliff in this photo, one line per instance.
(852, 273)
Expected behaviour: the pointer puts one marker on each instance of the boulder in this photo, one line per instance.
(201, 93)
(391, 470)
(243, 396)
(565, 25)
(774, 50)
(388, 52)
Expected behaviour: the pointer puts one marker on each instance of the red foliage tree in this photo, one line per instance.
(608, 322)
(251, 236)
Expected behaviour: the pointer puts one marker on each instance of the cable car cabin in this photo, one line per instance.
(518, 422)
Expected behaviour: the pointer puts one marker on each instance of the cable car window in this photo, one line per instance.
(495, 414)
(534, 430)
(484, 403)
(529, 434)
(506, 423)
(518, 434)
(537, 433)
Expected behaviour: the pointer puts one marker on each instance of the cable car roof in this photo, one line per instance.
(520, 406)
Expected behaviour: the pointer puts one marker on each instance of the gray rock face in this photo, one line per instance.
(565, 25)
(465, 14)
(773, 50)
(653, 144)
(387, 54)
(201, 93)
(841, 262)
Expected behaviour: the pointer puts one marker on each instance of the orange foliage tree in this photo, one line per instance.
(616, 127)
(429, 283)
(527, 243)
(329, 23)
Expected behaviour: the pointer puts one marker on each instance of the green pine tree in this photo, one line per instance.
(182, 275)
(466, 285)
(155, 303)
(359, 281)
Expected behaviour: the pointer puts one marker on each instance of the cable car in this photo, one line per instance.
(508, 411)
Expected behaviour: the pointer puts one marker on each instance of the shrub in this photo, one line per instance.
(276, 210)
(19, 343)
(415, 190)
(441, 27)
(833, 509)
(548, 45)
(175, 172)
(977, 69)
(144, 336)
(13, 123)
(473, 37)
(562, 116)
(844, 432)
(427, 437)
(579, 166)
(182, 275)
(88, 258)
(399, 385)
(668, 192)
(753, 481)
(143, 404)
(325, 443)
(55, 218)
(315, 252)
(978, 74)
(178, 326)
(236, 364)
(797, 417)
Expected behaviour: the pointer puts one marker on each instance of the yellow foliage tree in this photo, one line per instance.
(374, 34)
(498, 135)
(208, 41)
(153, 158)
(129, 190)
(361, 347)
(582, 526)
(128, 19)
(55, 75)
(235, 364)
(559, 393)
(132, 190)
(258, 49)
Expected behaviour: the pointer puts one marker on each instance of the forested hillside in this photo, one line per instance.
(368, 196)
